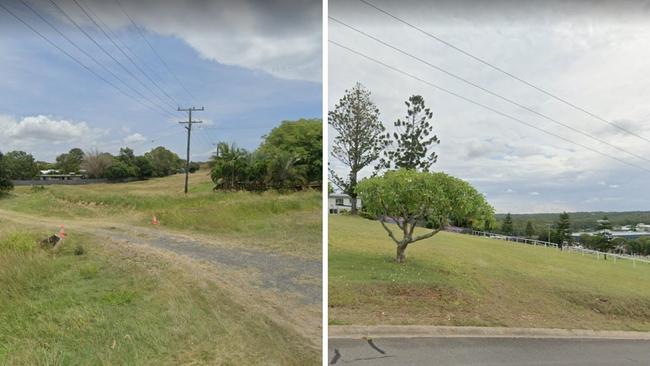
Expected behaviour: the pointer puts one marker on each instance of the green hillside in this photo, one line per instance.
(454, 279)
(579, 220)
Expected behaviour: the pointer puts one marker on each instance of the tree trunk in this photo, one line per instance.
(353, 205)
(401, 254)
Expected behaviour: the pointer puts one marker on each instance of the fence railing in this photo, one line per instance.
(566, 248)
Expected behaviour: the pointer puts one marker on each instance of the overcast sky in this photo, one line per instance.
(594, 54)
(251, 64)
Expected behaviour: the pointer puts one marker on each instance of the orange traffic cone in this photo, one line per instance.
(154, 220)
(62, 232)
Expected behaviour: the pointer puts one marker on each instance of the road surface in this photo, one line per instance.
(488, 352)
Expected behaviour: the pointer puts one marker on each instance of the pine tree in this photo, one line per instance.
(412, 139)
(604, 224)
(530, 230)
(563, 229)
(506, 227)
(360, 137)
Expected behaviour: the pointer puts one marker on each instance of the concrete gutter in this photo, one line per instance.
(427, 331)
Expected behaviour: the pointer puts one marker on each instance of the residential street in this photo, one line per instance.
(488, 351)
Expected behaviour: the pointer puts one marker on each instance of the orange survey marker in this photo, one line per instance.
(154, 220)
(62, 232)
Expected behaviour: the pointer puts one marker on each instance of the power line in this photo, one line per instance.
(53, 44)
(457, 77)
(116, 38)
(162, 61)
(484, 106)
(83, 31)
(108, 53)
(89, 55)
(486, 63)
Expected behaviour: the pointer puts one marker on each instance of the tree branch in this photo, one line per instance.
(425, 236)
(390, 233)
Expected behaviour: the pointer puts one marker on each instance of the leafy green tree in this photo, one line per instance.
(640, 246)
(360, 138)
(163, 161)
(120, 170)
(507, 227)
(5, 182)
(20, 165)
(44, 165)
(562, 230)
(126, 156)
(145, 167)
(412, 140)
(407, 198)
(302, 139)
(530, 229)
(194, 166)
(70, 162)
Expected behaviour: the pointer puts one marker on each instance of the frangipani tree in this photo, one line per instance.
(409, 198)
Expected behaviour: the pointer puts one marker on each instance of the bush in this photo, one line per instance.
(36, 189)
(79, 250)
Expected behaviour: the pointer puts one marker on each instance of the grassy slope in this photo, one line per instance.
(289, 223)
(120, 308)
(455, 279)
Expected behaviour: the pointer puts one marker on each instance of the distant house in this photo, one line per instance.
(52, 175)
(340, 202)
(643, 227)
(629, 235)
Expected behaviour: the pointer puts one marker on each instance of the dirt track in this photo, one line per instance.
(282, 273)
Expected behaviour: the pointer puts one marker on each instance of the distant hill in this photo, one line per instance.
(579, 220)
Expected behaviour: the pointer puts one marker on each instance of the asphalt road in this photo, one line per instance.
(488, 352)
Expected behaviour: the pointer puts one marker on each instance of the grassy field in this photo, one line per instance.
(113, 306)
(289, 223)
(454, 279)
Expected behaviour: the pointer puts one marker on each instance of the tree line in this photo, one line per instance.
(401, 189)
(289, 158)
(159, 162)
(560, 233)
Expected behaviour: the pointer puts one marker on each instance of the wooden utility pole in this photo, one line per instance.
(189, 124)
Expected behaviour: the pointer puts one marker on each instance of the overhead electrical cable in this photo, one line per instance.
(457, 95)
(509, 74)
(457, 77)
(162, 61)
(77, 61)
(127, 48)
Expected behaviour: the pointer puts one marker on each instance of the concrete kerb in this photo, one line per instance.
(426, 331)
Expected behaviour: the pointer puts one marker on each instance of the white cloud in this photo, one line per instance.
(534, 193)
(585, 54)
(281, 37)
(42, 129)
(134, 138)
(45, 136)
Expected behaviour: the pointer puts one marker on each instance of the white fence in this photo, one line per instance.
(566, 248)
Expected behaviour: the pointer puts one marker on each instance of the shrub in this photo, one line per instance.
(79, 250)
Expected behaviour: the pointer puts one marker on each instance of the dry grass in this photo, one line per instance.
(454, 279)
(113, 305)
